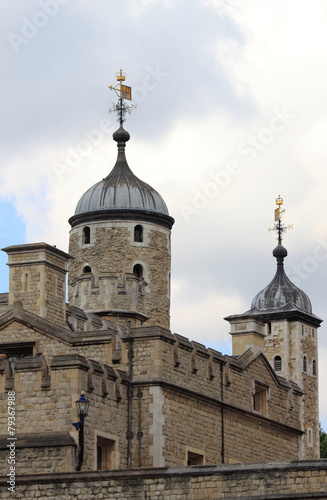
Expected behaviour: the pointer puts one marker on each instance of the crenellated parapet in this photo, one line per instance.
(111, 295)
(175, 359)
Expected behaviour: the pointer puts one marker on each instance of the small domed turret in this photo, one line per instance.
(281, 294)
(121, 190)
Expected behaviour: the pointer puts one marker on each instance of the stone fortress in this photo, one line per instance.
(157, 399)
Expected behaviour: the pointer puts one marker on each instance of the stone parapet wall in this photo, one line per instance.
(41, 452)
(175, 360)
(288, 480)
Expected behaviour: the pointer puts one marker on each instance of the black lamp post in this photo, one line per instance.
(82, 405)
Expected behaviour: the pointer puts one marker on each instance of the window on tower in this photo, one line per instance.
(86, 235)
(138, 270)
(87, 269)
(277, 363)
(314, 368)
(304, 363)
(138, 234)
(310, 437)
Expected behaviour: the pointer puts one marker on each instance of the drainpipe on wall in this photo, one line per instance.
(129, 433)
(222, 413)
(140, 432)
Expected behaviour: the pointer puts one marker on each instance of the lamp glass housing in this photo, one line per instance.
(82, 405)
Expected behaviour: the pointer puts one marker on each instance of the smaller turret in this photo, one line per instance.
(282, 325)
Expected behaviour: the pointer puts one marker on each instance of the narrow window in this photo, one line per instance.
(86, 235)
(304, 364)
(314, 368)
(138, 233)
(138, 270)
(99, 458)
(310, 437)
(87, 269)
(260, 399)
(277, 363)
(105, 454)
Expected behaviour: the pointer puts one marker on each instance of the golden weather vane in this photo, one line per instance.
(123, 92)
(279, 227)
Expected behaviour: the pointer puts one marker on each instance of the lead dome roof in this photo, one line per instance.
(281, 294)
(121, 189)
(280, 299)
(121, 193)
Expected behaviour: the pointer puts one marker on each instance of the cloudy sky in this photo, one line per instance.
(231, 112)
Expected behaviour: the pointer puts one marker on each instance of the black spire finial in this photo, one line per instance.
(123, 92)
(279, 227)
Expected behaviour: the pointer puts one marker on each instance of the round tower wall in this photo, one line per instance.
(114, 275)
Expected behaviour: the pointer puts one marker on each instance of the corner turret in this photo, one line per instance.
(281, 324)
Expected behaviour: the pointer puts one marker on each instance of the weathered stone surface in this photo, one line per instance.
(288, 481)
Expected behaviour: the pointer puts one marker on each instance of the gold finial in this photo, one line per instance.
(278, 226)
(120, 77)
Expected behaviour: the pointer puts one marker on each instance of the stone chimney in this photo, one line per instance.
(246, 332)
(37, 278)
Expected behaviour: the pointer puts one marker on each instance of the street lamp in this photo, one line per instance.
(82, 405)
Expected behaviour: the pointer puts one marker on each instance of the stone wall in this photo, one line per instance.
(289, 480)
(175, 382)
(45, 405)
(292, 340)
(112, 254)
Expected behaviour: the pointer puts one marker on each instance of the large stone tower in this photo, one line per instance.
(120, 241)
(281, 323)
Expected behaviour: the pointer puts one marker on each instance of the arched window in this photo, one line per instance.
(304, 364)
(314, 368)
(86, 235)
(138, 233)
(138, 270)
(87, 269)
(277, 363)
